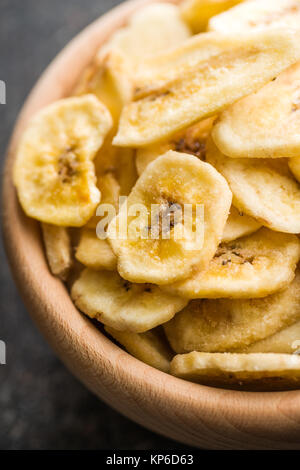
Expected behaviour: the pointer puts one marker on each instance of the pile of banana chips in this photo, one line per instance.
(167, 187)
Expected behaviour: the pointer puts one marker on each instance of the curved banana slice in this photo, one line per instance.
(286, 341)
(94, 252)
(151, 30)
(110, 193)
(239, 371)
(150, 347)
(192, 141)
(199, 79)
(223, 325)
(126, 170)
(117, 303)
(262, 188)
(54, 172)
(58, 250)
(167, 239)
(238, 225)
(257, 14)
(251, 267)
(196, 13)
(294, 165)
(264, 124)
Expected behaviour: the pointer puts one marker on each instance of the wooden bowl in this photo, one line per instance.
(193, 414)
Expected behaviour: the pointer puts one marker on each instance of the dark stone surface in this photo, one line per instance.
(41, 405)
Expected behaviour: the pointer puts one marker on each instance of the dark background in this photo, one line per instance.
(41, 405)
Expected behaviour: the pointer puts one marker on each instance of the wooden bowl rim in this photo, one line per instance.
(74, 337)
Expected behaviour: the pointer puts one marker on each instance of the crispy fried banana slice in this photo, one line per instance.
(238, 225)
(239, 371)
(110, 192)
(199, 79)
(264, 124)
(196, 13)
(151, 30)
(58, 249)
(223, 325)
(94, 252)
(150, 347)
(126, 170)
(250, 267)
(262, 188)
(192, 141)
(257, 14)
(167, 238)
(294, 165)
(117, 303)
(54, 172)
(286, 341)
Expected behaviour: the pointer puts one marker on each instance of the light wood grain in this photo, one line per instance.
(193, 414)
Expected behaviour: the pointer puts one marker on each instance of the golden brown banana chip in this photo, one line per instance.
(126, 173)
(94, 252)
(54, 172)
(150, 347)
(192, 141)
(117, 303)
(199, 79)
(238, 225)
(286, 341)
(257, 14)
(239, 371)
(262, 188)
(264, 124)
(254, 266)
(221, 325)
(58, 249)
(158, 235)
(197, 13)
(110, 193)
(294, 165)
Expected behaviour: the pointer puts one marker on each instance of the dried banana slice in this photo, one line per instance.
(151, 30)
(165, 241)
(286, 341)
(117, 303)
(257, 14)
(192, 140)
(223, 325)
(264, 124)
(262, 188)
(239, 371)
(94, 252)
(110, 193)
(58, 250)
(54, 172)
(196, 13)
(199, 79)
(250, 267)
(238, 225)
(150, 347)
(294, 165)
(126, 170)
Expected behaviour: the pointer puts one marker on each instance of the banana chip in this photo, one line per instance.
(117, 303)
(199, 79)
(250, 267)
(151, 30)
(165, 241)
(239, 371)
(110, 193)
(223, 325)
(294, 165)
(286, 341)
(58, 250)
(262, 188)
(264, 124)
(196, 13)
(192, 140)
(238, 225)
(257, 14)
(94, 252)
(150, 347)
(126, 170)
(54, 172)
